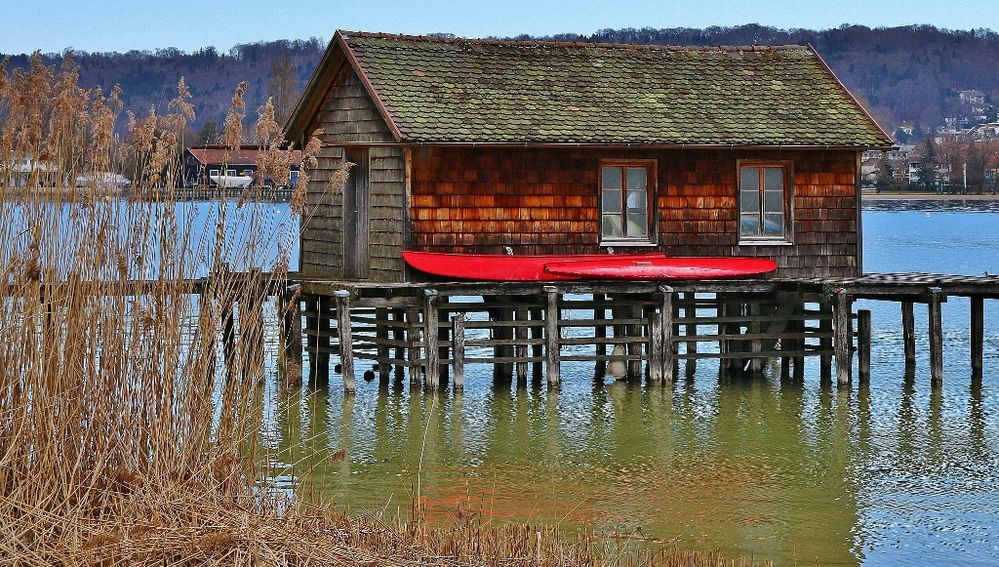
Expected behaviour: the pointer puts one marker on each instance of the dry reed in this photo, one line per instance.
(126, 437)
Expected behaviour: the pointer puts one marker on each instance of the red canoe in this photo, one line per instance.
(501, 267)
(498, 267)
(673, 268)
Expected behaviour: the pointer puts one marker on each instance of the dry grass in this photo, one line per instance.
(126, 438)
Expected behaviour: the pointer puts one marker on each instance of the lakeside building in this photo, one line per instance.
(475, 146)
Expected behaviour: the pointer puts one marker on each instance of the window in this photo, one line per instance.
(213, 172)
(626, 189)
(764, 202)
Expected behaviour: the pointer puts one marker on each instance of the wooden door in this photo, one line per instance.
(355, 216)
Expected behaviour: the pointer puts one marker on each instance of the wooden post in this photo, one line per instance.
(600, 333)
(977, 334)
(537, 350)
(430, 339)
(345, 336)
(521, 351)
(552, 345)
(458, 350)
(443, 329)
(228, 333)
(864, 344)
(842, 342)
(634, 349)
(655, 347)
(936, 335)
(825, 343)
(666, 311)
(398, 334)
(413, 346)
(909, 335)
(691, 330)
(382, 335)
(292, 330)
(756, 345)
(799, 343)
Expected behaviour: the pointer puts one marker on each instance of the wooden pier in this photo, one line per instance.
(631, 330)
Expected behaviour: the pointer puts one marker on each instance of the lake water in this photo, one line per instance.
(894, 473)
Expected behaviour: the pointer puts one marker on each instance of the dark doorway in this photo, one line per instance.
(355, 216)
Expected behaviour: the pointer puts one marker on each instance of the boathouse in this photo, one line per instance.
(479, 147)
(528, 147)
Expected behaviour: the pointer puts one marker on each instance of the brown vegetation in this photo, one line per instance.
(126, 438)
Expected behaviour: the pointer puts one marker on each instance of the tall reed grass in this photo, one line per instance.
(126, 437)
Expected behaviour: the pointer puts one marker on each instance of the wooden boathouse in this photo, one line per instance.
(491, 147)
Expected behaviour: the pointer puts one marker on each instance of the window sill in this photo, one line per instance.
(766, 242)
(627, 244)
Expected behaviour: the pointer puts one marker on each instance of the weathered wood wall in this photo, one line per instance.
(545, 201)
(349, 115)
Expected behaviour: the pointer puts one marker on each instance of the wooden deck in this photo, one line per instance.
(428, 330)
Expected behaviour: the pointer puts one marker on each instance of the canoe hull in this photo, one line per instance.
(672, 268)
(498, 267)
(638, 267)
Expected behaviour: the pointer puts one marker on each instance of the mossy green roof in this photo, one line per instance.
(453, 90)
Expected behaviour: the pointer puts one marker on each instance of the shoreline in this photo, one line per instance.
(922, 196)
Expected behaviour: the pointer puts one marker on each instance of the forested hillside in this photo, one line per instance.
(904, 74)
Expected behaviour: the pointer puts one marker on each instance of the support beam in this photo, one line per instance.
(413, 347)
(936, 335)
(292, 338)
(552, 346)
(634, 350)
(344, 333)
(825, 343)
(655, 347)
(909, 335)
(842, 342)
(430, 339)
(382, 335)
(666, 311)
(458, 350)
(864, 344)
(600, 333)
(520, 350)
(977, 334)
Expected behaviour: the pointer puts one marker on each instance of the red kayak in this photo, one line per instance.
(673, 268)
(499, 267)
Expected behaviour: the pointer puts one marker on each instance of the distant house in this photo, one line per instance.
(209, 165)
(475, 146)
(972, 96)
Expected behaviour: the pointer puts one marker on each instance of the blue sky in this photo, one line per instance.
(120, 25)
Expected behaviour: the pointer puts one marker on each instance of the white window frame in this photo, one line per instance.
(651, 183)
(787, 200)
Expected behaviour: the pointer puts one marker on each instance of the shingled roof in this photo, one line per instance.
(438, 90)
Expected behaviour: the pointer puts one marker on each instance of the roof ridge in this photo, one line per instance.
(549, 43)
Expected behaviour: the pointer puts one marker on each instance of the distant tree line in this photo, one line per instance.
(911, 73)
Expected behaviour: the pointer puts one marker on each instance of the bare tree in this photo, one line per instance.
(282, 87)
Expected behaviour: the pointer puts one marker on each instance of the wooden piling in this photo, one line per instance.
(520, 350)
(600, 333)
(666, 311)
(413, 347)
(383, 351)
(345, 336)
(909, 335)
(977, 334)
(936, 334)
(398, 334)
(864, 344)
(291, 333)
(825, 343)
(842, 342)
(655, 347)
(458, 350)
(430, 339)
(552, 346)
(634, 349)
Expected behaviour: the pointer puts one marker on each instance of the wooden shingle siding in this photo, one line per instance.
(349, 115)
(545, 201)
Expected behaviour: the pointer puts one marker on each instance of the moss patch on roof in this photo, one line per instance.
(446, 90)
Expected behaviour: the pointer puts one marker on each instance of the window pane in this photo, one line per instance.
(749, 179)
(773, 201)
(773, 225)
(612, 202)
(750, 225)
(612, 178)
(638, 225)
(612, 225)
(750, 201)
(637, 178)
(774, 179)
(636, 201)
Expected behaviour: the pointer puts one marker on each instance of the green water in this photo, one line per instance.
(891, 473)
